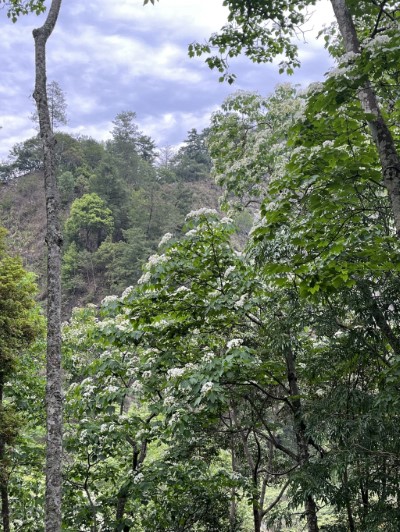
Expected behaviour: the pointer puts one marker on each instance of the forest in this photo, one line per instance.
(214, 342)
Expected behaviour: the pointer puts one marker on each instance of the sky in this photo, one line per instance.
(110, 57)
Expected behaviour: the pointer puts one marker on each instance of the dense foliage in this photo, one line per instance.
(242, 380)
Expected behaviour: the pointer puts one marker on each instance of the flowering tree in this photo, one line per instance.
(263, 30)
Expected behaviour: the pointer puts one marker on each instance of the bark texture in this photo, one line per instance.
(5, 507)
(389, 158)
(301, 437)
(54, 243)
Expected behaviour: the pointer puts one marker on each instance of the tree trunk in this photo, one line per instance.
(5, 508)
(257, 518)
(302, 442)
(389, 158)
(54, 243)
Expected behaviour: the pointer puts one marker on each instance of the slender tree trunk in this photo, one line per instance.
(54, 243)
(389, 158)
(232, 509)
(350, 518)
(5, 508)
(302, 442)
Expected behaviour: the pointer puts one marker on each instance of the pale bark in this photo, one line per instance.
(389, 158)
(54, 243)
(5, 507)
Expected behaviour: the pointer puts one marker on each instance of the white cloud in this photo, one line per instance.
(196, 18)
(14, 128)
(113, 56)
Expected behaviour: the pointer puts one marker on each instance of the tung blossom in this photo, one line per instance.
(166, 238)
(200, 212)
(207, 387)
(109, 299)
(175, 372)
(155, 259)
(235, 342)
(145, 278)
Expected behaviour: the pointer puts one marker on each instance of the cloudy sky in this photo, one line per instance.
(110, 57)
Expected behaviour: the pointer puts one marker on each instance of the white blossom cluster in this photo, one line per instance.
(169, 400)
(145, 278)
(109, 299)
(348, 57)
(377, 42)
(138, 478)
(200, 212)
(136, 387)
(241, 301)
(174, 418)
(182, 289)
(208, 356)
(235, 342)
(175, 372)
(123, 325)
(127, 291)
(162, 324)
(344, 71)
(229, 270)
(207, 387)
(166, 238)
(156, 259)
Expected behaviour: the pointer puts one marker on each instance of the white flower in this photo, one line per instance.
(127, 291)
(174, 418)
(207, 386)
(226, 220)
(327, 144)
(349, 56)
(153, 260)
(200, 212)
(215, 293)
(240, 302)
(165, 239)
(175, 372)
(145, 278)
(229, 270)
(137, 387)
(192, 232)
(182, 289)
(161, 324)
(146, 374)
(109, 299)
(123, 326)
(235, 342)
(378, 40)
(315, 87)
(207, 357)
(138, 478)
(169, 400)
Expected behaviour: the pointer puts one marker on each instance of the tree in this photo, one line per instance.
(89, 223)
(15, 8)
(192, 162)
(57, 106)
(54, 243)
(263, 30)
(247, 142)
(19, 326)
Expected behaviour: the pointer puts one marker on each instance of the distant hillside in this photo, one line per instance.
(118, 200)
